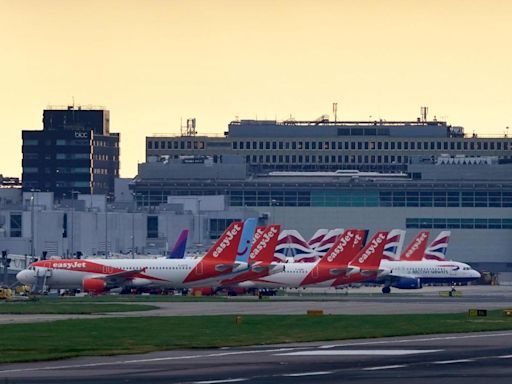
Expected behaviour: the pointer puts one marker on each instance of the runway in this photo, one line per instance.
(454, 358)
(364, 301)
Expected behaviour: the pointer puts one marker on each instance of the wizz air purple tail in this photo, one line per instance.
(178, 251)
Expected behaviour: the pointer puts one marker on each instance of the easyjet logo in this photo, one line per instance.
(371, 249)
(357, 239)
(264, 242)
(340, 247)
(69, 265)
(416, 244)
(227, 240)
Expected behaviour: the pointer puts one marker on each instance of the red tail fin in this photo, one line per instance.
(224, 249)
(219, 258)
(264, 244)
(371, 255)
(416, 249)
(344, 249)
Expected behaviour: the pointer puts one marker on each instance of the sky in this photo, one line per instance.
(155, 62)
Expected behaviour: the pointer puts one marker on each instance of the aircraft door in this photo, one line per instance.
(314, 272)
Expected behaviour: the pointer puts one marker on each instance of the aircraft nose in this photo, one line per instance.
(476, 274)
(25, 277)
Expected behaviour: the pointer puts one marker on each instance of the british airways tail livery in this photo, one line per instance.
(328, 241)
(437, 249)
(394, 244)
(416, 249)
(178, 252)
(317, 238)
(292, 244)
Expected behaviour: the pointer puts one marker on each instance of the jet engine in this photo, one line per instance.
(407, 283)
(94, 286)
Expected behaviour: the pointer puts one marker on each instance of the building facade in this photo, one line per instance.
(74, 153)
(325, 145)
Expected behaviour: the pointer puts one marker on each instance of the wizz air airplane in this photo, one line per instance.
(295, 275)
(228, 255)
(178, 251)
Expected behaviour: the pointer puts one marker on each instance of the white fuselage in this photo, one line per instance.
(166, 273)
(430, 270)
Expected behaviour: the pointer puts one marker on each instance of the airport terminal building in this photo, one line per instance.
(378, 175)
(302, 175)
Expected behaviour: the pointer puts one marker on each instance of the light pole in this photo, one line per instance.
(32, 248)
(106, 228)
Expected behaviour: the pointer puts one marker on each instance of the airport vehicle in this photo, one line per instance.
(100, 275)
(413, 274)
(294, 274)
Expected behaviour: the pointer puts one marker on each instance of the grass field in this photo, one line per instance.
(62, 307)
(68, 338)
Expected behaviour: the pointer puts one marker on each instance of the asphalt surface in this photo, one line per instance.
(456, 358)
(361, 301)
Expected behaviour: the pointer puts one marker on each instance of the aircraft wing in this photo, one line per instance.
(120, 277)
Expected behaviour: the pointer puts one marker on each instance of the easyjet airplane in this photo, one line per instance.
(100, 275)
(260, 258)
(295, 275)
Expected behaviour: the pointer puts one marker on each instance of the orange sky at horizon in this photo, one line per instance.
(154, 62)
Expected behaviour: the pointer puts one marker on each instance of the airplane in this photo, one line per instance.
(178, 251)
(260, 258)
(294, 274)
(100, 275)
(415, 251)
(413, 274)
(292, 245)
(437, 249)
(394, 244)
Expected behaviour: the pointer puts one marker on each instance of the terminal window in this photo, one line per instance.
(15, 224)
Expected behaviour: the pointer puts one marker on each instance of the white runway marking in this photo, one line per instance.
(307, 374)
(122, 362)
(416, 340)
(505, 357)
(453, 361)
(385, 367)
(220, 381)
(353, 352)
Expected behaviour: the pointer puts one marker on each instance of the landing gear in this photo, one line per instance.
(386, 290)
